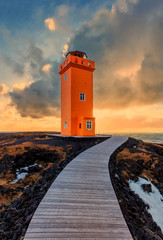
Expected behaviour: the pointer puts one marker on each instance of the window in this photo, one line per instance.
(82, 96)
(65, 124)
(82, 62)
(79, 125)
(89, 125)
(65, 77)
(76, 60)
(89, 64)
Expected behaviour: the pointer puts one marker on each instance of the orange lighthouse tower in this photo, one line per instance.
(77, 95)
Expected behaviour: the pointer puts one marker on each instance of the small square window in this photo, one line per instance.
(89, 64)
(89, 125)
(82, 96)
(65, 76)
(65, 124)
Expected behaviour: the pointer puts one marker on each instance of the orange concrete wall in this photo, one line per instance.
(79, 80)
(83, 131)
(66, 102)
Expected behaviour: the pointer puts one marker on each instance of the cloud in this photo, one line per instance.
(64, 50)
(46, 68)
(50, 23)
(3, 89)
(37, 100)
(21, 86)
(126, 46)
(41, 97)
(17, 67)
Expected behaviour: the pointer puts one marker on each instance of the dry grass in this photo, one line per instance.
(22, 148)
(8, 198)
(7, 176)
(148, 174)
(127, 155)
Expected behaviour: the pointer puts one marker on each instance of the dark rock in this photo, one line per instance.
(21, 162)
(147, 187)
(15, 236)
(28, 219)
(133, 208)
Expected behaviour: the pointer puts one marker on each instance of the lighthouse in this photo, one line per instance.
(77, 95)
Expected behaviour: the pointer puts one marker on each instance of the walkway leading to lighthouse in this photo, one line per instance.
(81, 203)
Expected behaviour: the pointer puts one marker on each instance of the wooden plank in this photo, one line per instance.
(81, 203)
(78, 228)
(75, 200)
(67, 220)
(93, 235)
(74, 238)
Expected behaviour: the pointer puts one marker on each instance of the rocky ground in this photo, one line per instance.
(134, 161)
(29, 163)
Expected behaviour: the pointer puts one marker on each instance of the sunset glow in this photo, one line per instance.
(123, 37)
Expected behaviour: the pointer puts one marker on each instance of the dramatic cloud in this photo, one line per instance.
(125, 43)
(37, 100)
(16, 66)
(3, 89)
(126, 46)
(40, 98)
(50, 23)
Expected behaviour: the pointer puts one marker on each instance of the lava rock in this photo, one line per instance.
(147, 188)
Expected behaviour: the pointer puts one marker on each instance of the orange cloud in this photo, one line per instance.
(50, 23)
(46, 68)
(3, 89)
(65, 50)
(21, 86)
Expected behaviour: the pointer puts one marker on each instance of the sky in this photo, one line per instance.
(123, 37)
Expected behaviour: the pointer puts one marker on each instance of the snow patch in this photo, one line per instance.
(152, 199)
(116, 176)
(22, 172)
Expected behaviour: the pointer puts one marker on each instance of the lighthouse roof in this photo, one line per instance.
(77, 53)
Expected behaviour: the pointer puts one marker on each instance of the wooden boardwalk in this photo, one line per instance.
(81, 203)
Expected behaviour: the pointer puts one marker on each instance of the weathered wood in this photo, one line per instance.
(81, 203)
(73, 235)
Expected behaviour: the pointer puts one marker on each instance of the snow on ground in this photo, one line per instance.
(154, 199)
(22, 172)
